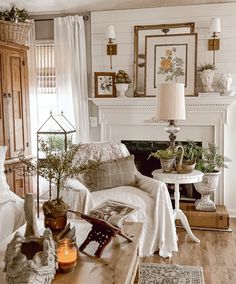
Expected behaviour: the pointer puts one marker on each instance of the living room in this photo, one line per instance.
(176, 63)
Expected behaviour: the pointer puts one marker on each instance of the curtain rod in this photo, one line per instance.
(85, 17)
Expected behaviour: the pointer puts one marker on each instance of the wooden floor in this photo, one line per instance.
(216, 254)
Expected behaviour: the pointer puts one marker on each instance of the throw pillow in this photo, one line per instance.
(110, 174)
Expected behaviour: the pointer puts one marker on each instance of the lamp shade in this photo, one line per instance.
(110, 32)
(215, 25)
(170, 102)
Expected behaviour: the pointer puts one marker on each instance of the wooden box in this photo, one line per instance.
(214, 220)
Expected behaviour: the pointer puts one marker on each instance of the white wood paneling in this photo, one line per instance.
(125, 20)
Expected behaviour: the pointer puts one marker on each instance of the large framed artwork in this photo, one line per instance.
(105, 84)
(170, 58)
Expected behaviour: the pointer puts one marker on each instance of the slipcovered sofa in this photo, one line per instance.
(11, 206)
(149, 195)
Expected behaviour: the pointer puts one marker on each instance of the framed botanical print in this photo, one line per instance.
(170, 58)
(105, 84)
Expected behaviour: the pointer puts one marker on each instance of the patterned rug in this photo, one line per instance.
(152, 273)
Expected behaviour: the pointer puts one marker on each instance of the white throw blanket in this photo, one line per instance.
(155, 210)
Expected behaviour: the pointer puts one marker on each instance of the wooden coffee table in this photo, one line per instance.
(118, 264)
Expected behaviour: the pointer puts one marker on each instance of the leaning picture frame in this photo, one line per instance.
(105, 84)
(170, 58)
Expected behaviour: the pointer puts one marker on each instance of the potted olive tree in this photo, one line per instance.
(210, 162)
(56, 167)
(122, 82)
(167, 159)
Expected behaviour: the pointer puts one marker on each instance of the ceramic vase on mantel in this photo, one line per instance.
(206, 187)
(207, 77)
(121, 89)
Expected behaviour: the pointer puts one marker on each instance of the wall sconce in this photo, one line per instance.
(111, 47)
(215, 29)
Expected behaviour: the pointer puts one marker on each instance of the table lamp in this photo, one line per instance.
(171, 107)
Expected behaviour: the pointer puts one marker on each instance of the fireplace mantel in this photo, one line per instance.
(134, 119)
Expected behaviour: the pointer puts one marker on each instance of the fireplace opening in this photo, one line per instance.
(141, 151)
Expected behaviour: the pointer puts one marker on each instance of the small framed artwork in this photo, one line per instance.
(170, 58)
(105, 84)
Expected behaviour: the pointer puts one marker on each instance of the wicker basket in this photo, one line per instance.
(14, 32)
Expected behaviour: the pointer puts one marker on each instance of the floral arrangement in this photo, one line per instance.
(14, 15)
(163, 154)
(171, 65)
(122, 78)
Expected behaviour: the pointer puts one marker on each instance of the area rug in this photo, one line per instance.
(152, 273)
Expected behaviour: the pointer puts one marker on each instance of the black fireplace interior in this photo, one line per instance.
(141, 151)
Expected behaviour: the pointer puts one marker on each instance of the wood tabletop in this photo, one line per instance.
(117, 265)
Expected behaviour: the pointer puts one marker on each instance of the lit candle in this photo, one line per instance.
(66, 255)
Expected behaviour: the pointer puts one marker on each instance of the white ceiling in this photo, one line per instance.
(81, 6)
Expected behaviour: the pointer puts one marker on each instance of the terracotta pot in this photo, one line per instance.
(56, 223)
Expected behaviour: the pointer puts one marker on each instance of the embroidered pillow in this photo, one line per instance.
(110, 174)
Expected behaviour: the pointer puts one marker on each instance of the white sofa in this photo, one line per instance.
(149, 195)
(11, 206)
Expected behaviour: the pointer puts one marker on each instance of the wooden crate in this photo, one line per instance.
(214, 220)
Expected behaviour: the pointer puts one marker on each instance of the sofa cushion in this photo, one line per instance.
(110, 174)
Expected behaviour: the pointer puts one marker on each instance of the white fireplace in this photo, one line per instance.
(133, 119)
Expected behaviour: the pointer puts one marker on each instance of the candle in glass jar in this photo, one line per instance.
(66, 255)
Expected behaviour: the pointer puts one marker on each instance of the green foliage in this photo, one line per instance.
(163, 154)
(122, 78)
(57, 141)
(206, 67)
(14, 15)
(56, 167)
(192, 150)
(210, 160)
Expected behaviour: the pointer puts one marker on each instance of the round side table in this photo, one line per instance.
(177, 179)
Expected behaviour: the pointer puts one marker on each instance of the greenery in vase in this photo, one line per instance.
(57, 167)
(163, 154)
(210, 160)
(122, 78)
(192, 150)
(207, 66)
(14, 15)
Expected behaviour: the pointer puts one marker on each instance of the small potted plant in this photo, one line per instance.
(122, 82)
(207, 76)
(210, 162)
(166, 157)
(56, 167)
(14, 25)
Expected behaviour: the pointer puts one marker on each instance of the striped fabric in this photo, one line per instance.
(110, 174)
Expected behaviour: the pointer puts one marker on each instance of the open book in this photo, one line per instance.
(113, 212)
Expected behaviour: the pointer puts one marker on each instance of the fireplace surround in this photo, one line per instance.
(134, 119)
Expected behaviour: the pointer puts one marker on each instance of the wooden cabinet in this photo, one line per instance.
(14, 110)
(19, 182)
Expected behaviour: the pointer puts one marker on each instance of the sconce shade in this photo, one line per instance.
(215, 25)
(170, 102)
(110, 32)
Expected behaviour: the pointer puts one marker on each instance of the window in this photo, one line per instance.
(46, 81)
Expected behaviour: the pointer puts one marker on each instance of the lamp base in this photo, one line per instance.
(172, 128)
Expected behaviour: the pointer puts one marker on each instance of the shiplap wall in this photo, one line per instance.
(125, 20)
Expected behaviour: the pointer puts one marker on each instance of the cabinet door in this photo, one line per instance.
(2, 97)
(16, 109)
(19, 183)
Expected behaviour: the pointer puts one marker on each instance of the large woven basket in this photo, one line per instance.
(14, 32)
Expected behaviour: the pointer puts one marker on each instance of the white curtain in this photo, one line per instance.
(33, 89)
(71, 72)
